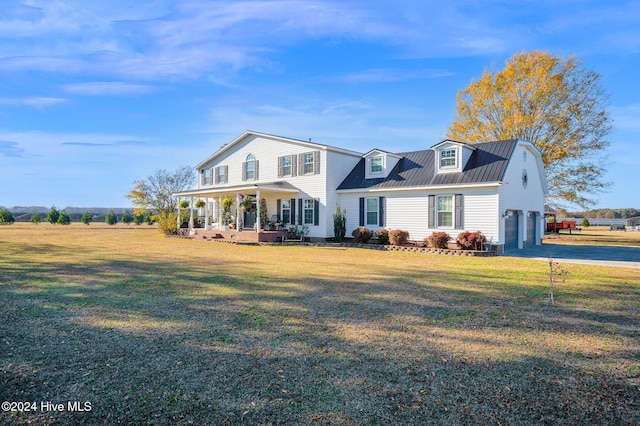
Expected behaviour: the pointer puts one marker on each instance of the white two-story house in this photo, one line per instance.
(496, 187)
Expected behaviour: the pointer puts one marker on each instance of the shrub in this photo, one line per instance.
(398, 237)
(438, 240)
(127, 217)
(64, 218)
(111, 218)
(471, 240)
(86, 218)
(138, 217)
(585, 223)
(36, 219)
(339, 224)
(53, 215)
(362, 234)
(168, 223)
(383, 236)
(6, 217)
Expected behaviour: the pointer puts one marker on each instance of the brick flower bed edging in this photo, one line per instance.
(416, 249)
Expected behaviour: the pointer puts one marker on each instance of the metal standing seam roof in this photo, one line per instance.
(487, 163)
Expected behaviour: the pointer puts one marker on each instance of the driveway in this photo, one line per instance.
(618, 256)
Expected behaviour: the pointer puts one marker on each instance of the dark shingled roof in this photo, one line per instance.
(487, 163)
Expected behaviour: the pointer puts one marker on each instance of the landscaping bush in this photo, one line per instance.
(168, 223)
(64, 218)
(53, 215)
(438, 240)
(585, 223)
(111, 218)
(398, 237)
(362, 234)
(6, 217)
(471, 240)
(339, 224)
(127, 217)
(35, 219)
(383, 236)
(86, 218)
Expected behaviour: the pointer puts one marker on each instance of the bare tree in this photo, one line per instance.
(157, 191)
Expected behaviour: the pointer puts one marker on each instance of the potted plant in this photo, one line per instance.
(200, 204)
(227, 217)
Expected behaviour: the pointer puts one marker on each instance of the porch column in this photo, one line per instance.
(220, 213)
(206, 212)
(238, 212)
(258, 211)
(191, 214)
(178, 219)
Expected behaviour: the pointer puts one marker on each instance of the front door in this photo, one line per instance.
(249, 217)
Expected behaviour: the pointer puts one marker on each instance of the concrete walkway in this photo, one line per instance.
(616, 256)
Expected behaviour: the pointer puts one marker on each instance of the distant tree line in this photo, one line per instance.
(61, 217)
(602, 213)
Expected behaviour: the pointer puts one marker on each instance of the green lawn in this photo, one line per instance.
(152, 330)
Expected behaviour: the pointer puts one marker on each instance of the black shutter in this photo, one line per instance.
(278, 208)
(432, 211)
(381, 206)
(301, 211)
(316, 211)
(292, 217)
(459, 212)
(361, 211)
(280, 168)
(316, 162)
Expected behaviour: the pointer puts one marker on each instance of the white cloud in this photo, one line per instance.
(98, 88)
(390, 75)
(37, 102)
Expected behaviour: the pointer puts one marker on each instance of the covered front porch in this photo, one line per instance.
(243, 213)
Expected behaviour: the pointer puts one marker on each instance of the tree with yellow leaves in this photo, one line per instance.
(551, 102)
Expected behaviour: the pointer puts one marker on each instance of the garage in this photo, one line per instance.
(532, 221)
(511, 231)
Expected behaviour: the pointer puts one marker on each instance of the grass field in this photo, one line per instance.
(165, 331)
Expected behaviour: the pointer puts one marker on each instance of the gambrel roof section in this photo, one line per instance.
(487, 163)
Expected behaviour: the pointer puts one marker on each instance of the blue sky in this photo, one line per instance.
(97, 94)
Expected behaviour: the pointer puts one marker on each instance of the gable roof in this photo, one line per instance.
(487, 163)
(311, 145)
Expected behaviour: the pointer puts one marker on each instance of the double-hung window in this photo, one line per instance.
(308, 211)
(287, 165)
(376, 165)
(372, 211)
(308, 162)
(220, 174)
(445, 211)
(448, 158)
(286, 211)
(206, 176)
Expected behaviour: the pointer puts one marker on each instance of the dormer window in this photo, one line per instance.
(376, 165)
(447, 158)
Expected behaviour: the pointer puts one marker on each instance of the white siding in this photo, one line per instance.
(514, 196)
(339, 166)
(408, 210)
(334, 166)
